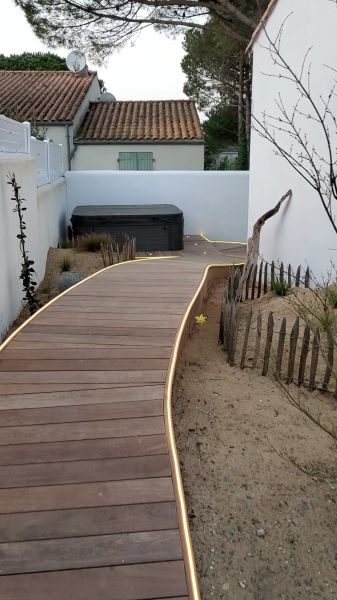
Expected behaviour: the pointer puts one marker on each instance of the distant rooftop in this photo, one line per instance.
(137, 121)
(43, 96)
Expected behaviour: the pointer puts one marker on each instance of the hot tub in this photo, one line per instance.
(155, 226)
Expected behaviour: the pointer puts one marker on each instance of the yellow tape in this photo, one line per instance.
(222, 241)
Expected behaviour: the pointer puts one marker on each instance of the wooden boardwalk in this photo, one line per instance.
(90, 498)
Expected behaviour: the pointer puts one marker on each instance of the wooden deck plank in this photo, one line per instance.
(84, 430)
(86, 377)
(86, 495)
(101, 448)
(93, 364)
(129, 582)
(33, 353)
(85, 471)
(88, 552)
(86, 412)
(80, 522)
(83, 397)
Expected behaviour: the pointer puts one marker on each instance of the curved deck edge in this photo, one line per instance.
(5, 343)
(185, 326)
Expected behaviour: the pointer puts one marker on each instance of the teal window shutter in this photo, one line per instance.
(136, 161)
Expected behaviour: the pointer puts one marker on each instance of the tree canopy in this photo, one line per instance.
(100, 26)
(32, 61)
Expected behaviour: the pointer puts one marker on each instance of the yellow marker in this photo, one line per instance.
(222, 241)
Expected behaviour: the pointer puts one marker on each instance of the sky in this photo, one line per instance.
(148, 69)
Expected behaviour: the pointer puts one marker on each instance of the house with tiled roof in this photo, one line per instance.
(54, 101)
(96, 134)
(141, 135)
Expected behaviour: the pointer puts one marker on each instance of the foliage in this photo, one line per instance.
(91, 242)
(27, 268)
(32, 61)
(280, 287)
(65, 264)
(220, 131)
(101, 27)
(65, 244)
(67, 280)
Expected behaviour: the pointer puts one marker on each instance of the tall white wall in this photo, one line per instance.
(214, 202)
(45, 219)
(167, 157)
(301, 232)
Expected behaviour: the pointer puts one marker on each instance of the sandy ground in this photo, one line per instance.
(261, 528)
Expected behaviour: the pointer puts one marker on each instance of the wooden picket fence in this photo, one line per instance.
(119, 251)
(286, 349)
(262, 276)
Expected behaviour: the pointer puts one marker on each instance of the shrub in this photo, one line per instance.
(65, 264)
(68, 279)
(91, 242)
(66, 244)
(280, 287)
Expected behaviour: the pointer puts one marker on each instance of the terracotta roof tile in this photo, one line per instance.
(137, 121)
(43, 96)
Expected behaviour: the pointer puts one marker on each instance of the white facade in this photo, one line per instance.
(213, 202)
(301, 232)
(167, 157)
(59, 133)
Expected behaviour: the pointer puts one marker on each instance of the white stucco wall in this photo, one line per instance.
(214, 202)
(167, 157)
(45, 221)
(300, 233)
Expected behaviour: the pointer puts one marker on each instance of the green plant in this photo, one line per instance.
(45, 288)
(91, 242)
(65, 244)
(280, 287)
(65, 264)
(27, 268)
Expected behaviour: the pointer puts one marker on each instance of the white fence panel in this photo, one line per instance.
(14, 136)
(55, 161)
(39, 150)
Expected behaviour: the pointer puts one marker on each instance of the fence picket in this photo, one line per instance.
(289, 276)
(265, 283)
(221, 326)
(254, 282)
(328, 370)
(258, 339)
(272, 274)
(248, 282)
(270, 331)
(282, 273)
(232, 333)
(280, 348)
(245, 342)
(259, 285)
(314, 359)
(292, 350)
(298, 277)
(304, 355)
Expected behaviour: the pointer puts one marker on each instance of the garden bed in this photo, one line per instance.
(85, 263)
(261, 529)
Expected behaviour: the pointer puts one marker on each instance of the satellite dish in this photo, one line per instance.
(107, 97)
(76, 61)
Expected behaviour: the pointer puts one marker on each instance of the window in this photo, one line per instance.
(135, 161)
